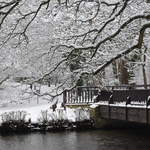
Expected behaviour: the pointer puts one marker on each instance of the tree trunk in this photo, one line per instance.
(123, 72)
(143, 69)
(144, 76)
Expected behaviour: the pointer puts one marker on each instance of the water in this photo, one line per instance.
(87, 140)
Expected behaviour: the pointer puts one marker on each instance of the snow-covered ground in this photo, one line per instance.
(17, 97)
(34, 112)
(12, 93)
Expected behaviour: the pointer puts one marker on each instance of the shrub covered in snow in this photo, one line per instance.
(14, 121)
(18, 116)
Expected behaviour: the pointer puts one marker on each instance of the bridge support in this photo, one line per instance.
(94, 114)
(98, 120)
(97, 116)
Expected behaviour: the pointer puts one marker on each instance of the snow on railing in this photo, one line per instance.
(80, 94)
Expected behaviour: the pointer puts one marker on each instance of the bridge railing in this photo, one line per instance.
(80, 94)
(127, 87)
(110, 94)
(133, 96)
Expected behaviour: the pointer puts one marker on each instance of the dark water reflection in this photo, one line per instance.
(87, 140)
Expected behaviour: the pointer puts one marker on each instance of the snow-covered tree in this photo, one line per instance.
(36, 35)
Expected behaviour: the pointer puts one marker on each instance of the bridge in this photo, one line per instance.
(122, 103)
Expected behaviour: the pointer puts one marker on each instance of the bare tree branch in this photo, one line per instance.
(9, 11)
(119, 30)
(112, 19)
(136, 46)
(3, 80)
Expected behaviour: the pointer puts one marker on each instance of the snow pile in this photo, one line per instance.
(94, 105)
(78, 114)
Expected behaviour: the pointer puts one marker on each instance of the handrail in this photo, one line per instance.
(80, 94)
(85, 94)
(128, 86)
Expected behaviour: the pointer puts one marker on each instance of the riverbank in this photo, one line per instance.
(45, 120)
(54, 126)
(41, 117)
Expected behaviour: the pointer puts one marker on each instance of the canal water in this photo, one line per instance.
(85, 140)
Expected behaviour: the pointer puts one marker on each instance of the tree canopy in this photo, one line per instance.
(46, 38)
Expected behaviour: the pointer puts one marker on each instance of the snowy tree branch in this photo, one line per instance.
(136, 46)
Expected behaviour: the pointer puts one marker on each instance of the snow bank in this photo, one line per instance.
(36, 113)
